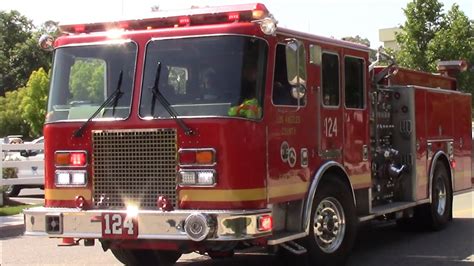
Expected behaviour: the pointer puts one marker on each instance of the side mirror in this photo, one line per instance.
(296, 67)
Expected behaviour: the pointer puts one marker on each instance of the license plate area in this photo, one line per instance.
(119, 226)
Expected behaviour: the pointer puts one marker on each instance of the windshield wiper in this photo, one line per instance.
(157, 95)
(113, 97)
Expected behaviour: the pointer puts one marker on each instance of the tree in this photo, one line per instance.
(424, 19)
(11, 122)
(357, 39)
(455, 41)
(33, 104)
(429, 35)
(19, 50)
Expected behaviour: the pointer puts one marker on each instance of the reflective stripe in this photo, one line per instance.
(222, 195)
(67, 194)
(287, 190)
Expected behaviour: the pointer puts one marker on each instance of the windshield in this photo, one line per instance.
(84, 76)
(205, 76)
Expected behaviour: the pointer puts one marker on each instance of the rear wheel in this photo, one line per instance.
(333, 224)
(436, 215)
(135, 257)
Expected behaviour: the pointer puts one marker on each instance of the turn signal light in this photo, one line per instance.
(188, 157)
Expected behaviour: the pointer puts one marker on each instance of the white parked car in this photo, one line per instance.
(27, 155)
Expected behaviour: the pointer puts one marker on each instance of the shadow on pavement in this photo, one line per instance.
(383, 243)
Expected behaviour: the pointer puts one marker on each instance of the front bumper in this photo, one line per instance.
(229, 225)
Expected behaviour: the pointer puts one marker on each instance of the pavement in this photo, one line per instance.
(11, 225)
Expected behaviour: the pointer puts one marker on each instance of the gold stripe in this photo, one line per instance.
(360, 179)
(67, 194)
(222, 195)
(287, 190)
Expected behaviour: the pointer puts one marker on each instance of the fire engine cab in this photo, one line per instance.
(212, 129)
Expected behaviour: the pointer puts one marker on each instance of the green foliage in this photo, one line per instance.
(11, 121)
(87, 80)
(19, 50)
(357, 39)
(33, 104)
(429, 35)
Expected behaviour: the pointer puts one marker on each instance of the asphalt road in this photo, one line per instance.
(378, 243)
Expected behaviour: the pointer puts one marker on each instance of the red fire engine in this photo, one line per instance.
(210, 129)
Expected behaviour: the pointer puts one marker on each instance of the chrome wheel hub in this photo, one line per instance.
(441, 193)
(329, 224)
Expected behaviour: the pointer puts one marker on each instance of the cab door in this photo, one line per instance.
(331, 120)
(356, 120)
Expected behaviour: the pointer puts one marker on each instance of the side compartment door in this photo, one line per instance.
(331, 120)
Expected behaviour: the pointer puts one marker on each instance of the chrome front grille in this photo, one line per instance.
(133, 167)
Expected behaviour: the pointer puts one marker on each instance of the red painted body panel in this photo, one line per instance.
(442, 116)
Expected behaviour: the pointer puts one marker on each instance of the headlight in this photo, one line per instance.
(70, 178)
(204, 177)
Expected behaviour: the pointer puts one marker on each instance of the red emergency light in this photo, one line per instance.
(173, 18)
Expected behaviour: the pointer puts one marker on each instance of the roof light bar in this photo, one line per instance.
(168, 19)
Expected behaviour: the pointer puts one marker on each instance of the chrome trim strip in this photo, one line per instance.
(312, 191)
(153, 224)
(439, 140)
(277, 241)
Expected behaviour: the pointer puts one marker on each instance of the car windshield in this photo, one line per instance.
(205, 76)
(84, 76)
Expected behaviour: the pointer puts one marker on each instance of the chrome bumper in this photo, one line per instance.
(229, 225)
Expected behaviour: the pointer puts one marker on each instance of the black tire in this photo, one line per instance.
(136, 257)
(12, 190)
(332, 197)
(437, 214)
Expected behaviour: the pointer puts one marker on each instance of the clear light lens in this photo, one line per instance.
(188, 178)
(206, 178)
(79, 178)
(63, 178)
(268, 26)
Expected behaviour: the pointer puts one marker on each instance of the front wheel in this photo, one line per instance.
(136, 257)
(333, 224)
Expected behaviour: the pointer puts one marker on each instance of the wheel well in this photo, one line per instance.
(444, 160)
(321, 176)
(441, 157)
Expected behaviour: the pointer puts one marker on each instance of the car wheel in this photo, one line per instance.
(333, 225)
